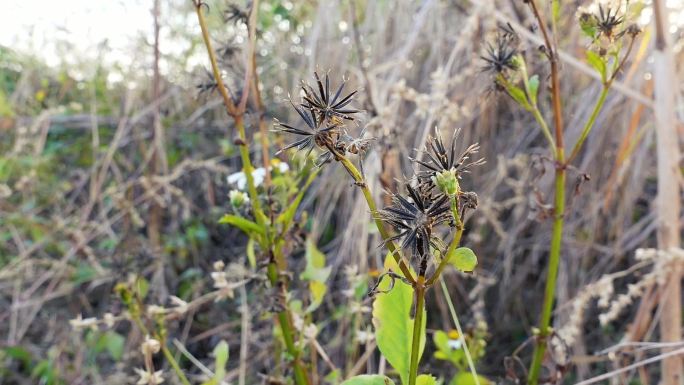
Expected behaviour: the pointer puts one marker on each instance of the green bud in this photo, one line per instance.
(447, 182)
(238, 198)
(588, 23)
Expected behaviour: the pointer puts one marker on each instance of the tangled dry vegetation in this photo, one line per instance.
(133, 249)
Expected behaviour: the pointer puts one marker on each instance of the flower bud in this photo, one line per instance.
(447, 182)
(238, 199)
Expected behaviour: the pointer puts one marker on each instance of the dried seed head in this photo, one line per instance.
(414, 217)
(500, 56)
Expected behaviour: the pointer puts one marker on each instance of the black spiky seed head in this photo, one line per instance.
(316, 134)
(331, 108)
(414, 217)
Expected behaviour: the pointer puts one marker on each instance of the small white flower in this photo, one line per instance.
(80, 323)
(238, 179)
(155, 310)
(219, 266)
(180, 306)
(150, 346)
(454, 344)
(109, 320)
(220, 279)
(364, 336)
(310, 331)
(147, 378)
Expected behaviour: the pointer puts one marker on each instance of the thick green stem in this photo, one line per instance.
(419, 290)
(551, 275)
(287, 330)
(590, 123)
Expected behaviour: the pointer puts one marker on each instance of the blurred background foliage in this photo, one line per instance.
(75, 190)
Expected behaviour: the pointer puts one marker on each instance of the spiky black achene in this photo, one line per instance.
(499, 57)
(442, 159)
(607, 20)
(318, 134)
(416, 218)
(328, 106)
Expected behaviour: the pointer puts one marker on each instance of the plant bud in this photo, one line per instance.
(238, 199)
(447, 182)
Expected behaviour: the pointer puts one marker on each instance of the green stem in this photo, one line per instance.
(461, 337)
(590, 123)
(391, 246)
(237, 115)
(287, 330)
(417, 328)
(174, 364)
(552, 274)
(544, 127)
(452, 246)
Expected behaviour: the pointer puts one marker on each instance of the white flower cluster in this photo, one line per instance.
(239, 179)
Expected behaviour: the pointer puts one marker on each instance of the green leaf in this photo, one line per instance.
(366, 379)
(463, 259)
(533, 88)
(394, 325)
(113, 342)
(518, 95)
(243, 224)
(20, 354)
(467, 378)
(286, 217)
(316, 273)
(220, 360)
(251, 255)
(142, 287)
(598, 62)
(426, 379)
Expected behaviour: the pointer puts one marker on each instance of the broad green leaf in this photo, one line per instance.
(241, 223)
(518, 95)
(220, 360)
(316, 273)
(426, 379)
(533, 88)
(366, 379)
(463, 259)
(467, 378)
(598, 62)
(394, 325)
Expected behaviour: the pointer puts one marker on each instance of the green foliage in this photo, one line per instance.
(426, 379)
(244, 224)
(220, 360)
(467, 378)
(316, 273)
(463, 259)
(110, 341)
(599, 63)
(533, 88)
(367, 379)
(518, 94)
(394, 325)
